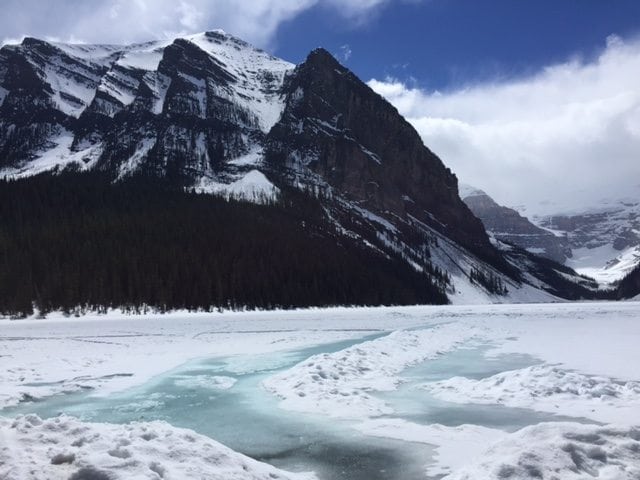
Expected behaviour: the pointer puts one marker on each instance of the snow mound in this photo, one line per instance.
(339, 384)
(66, 448)
(548, 388)
(559, 451)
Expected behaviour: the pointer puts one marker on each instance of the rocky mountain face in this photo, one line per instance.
(179, 109)
(605, 240)
(339, 135)
(508, 225)
(212, 114)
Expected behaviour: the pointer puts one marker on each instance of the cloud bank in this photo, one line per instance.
(568, 135)
(125, 21)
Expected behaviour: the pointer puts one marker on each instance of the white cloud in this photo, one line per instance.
(569, 134)
(123, 21)
(345, 52)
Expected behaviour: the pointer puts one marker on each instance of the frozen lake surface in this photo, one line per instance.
(416, 392)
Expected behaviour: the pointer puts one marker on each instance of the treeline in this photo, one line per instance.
(629, 286)
(488, 280)
(74, 242)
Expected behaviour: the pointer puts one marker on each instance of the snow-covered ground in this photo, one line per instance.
(108, 354)
(65, 448)
(549, 388)
(445, 378)
(563, 451)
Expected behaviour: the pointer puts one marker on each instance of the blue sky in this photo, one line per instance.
(535, 101)
(449, 43)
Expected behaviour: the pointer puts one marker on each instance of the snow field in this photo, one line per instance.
(587, 367)
(108, 354)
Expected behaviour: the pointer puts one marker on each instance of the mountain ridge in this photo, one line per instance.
(217, 115)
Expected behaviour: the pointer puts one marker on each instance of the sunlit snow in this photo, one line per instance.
(408, 388)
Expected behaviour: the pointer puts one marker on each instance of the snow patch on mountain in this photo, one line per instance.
(132, 163)
(146, 56)
(159, 85)
(72, 88)
(251, 159)
(120, 86)
(98, 54)
(465, 190)
(59, 155)
(258, 75)
(253, 186)
(64, 447)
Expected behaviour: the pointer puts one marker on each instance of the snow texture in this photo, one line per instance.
(259, 76)
(108, 354)
(604, 263)
(108, 78)
(253, 159)
(65, 448)
(559, 451)
(596, 378)
(340, 384)
(132, 163)
(449, 442)
(551, 389)
(58, 156)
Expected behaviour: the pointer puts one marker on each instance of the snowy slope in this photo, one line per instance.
(258, 75)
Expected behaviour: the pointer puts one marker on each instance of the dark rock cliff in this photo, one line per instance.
(353, 141)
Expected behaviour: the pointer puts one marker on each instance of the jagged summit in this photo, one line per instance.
(211, 113)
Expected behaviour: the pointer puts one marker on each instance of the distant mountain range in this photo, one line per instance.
(602, 242)
(211, 114)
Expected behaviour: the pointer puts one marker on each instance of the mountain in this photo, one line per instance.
(602, 242)
(507, 224)
(604, 239)
(210, 114)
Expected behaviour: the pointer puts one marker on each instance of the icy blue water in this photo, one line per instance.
(247, 419)
(412, 402)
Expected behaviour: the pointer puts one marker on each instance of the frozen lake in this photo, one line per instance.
(348, 394)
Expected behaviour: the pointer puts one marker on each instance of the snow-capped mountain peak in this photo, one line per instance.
(210, 113)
